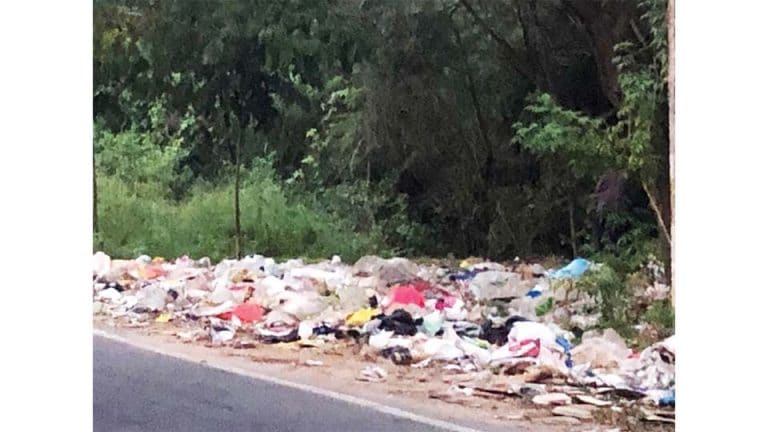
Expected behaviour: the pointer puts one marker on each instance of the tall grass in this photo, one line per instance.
(133, 221)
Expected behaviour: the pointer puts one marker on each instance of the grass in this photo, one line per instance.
(133, 222)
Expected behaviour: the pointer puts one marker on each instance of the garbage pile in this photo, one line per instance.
(479, 317)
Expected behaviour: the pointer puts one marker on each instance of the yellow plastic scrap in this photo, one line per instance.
(241, 275)
(164, 317)
(362, 316)
(469, 262)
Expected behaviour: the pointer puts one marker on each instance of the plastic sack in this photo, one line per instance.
(361, 316)
(573, 270)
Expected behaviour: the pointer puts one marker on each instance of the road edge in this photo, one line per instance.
(216, 364)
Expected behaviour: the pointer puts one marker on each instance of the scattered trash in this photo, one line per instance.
(668, 400)
(498, 335)
(362, 316)
(399, 355)
(164, 317)
(380, 340)
(488, 328)
(573, 270)
(490, 285)
(432, 323)
(372, 374)
(220, 332)
(400, 322)
(152, 297)
(110, 294)
(245, 312)
(402, 295)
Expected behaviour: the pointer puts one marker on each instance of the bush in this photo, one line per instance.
(134, 222)
(661, 315)
(375, 211)
(603, 282)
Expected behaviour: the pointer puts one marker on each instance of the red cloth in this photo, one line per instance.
(526, 348)
(246, 312)
(406, 294)
(153, 271)
(421, 285)
(444, 303)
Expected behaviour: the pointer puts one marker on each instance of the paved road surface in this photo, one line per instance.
(137, 390)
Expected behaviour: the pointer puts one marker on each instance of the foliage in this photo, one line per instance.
(201, 225)
(405, 127)
(662, 315)
(603, 282)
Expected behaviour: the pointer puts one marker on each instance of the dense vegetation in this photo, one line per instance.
(429, 127)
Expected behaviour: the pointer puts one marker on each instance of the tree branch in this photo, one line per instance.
(514, 56)
(657, 211)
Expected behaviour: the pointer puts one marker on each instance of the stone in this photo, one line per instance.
(560, 421)
(583, 412)
(552, 399)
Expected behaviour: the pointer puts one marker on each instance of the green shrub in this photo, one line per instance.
(603, 282)
(661, 315)
(133, 222)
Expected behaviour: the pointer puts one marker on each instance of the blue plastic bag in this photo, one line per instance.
(668, 400)
(533, 293)
(462, 276)
(573, 270)
(563, 342)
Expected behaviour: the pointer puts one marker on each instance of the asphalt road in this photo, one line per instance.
(137, 390)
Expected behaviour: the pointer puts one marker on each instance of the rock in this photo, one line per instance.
(593, 401)
(552, 399)
(583, 412)
(491, 285)
(560, 421)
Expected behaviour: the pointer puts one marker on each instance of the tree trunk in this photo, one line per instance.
(573, 227)
(657, 210)
(238, 252)
(95, 201)
(671, 91)
(486, 217)
(606, 24)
